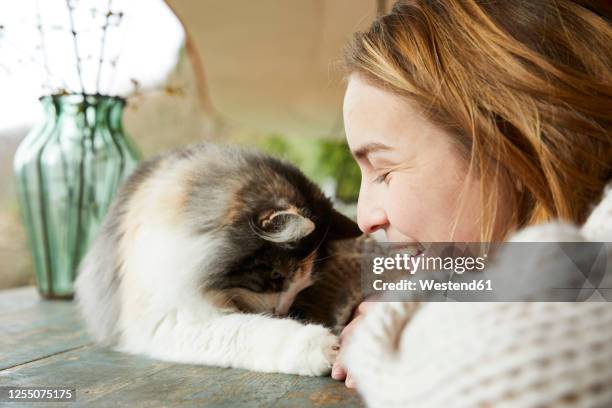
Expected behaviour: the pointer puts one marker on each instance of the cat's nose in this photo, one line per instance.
(285, 300)
(281, 311)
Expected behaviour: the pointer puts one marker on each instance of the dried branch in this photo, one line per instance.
(102, 46)
(42, 45)
(75, 42)
(31, 58)
(113, 62)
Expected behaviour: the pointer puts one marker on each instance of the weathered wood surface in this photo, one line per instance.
(42, 343)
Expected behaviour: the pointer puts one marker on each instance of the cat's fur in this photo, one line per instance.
(331, 300)
(200, 252)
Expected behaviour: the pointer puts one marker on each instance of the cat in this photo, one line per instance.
(201, 256)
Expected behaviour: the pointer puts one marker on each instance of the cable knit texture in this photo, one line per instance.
(490, 354)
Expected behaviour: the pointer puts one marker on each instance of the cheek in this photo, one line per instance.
(426, 209)
(405, 209)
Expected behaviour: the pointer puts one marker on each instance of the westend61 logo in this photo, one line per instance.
(503, 272)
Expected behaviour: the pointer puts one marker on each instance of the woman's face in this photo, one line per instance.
(411, 175)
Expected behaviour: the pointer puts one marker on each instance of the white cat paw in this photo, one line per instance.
(314, 351)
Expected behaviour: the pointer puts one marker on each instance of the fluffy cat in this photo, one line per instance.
(202, 253)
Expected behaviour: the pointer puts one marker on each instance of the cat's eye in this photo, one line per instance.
(276, 275)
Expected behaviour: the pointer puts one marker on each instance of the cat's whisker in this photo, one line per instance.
(306, 260)
(325, 258)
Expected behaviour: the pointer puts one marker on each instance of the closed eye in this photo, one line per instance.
(383, 178)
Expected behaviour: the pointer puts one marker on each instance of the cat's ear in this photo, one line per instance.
(342, 227)
(285, 227)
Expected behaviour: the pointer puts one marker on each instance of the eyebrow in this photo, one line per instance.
(369, 148)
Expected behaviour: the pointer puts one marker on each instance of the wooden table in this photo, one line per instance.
(43, 343)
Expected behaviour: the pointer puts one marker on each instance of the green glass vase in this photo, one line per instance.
(68, 170)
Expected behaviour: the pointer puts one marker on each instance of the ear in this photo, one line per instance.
(284, 227)
(342, 227)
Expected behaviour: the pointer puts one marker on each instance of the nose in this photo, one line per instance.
(371, 215)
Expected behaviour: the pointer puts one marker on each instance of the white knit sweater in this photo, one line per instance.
(490, 354)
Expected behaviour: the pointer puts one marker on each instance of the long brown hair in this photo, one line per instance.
(524, 87)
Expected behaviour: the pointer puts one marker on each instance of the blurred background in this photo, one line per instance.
(263, 73)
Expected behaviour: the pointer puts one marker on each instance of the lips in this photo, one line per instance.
(409, 248)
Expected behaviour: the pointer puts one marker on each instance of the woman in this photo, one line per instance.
(473, 119)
